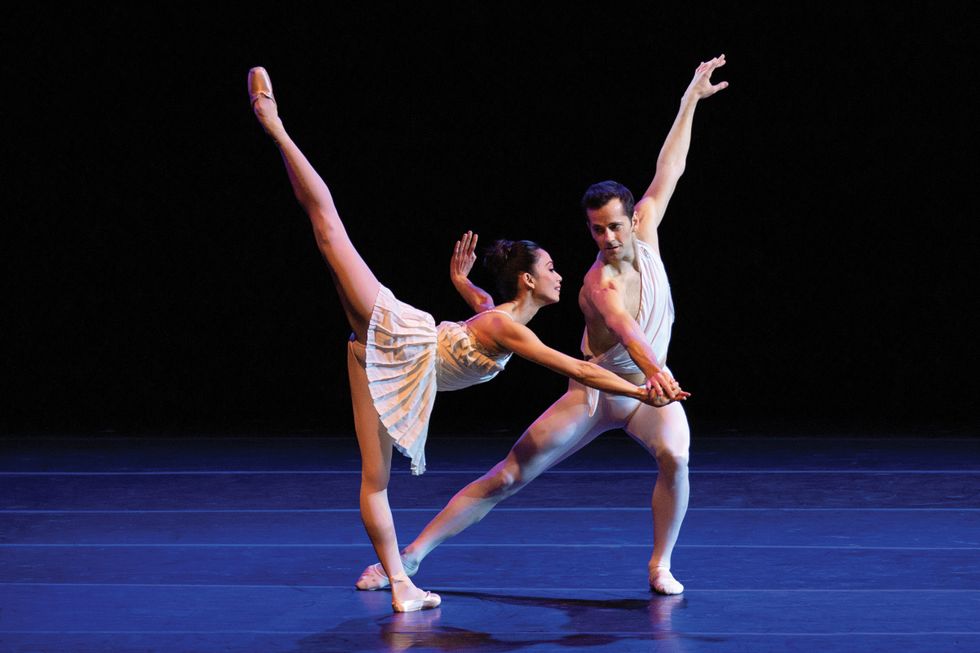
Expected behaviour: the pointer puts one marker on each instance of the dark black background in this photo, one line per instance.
(157, 273)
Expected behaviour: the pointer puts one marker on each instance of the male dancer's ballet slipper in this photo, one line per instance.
(663, 582)
(374, 577)
(427, 602)
(259, 84)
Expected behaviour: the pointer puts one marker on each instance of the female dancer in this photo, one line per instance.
(398, 358)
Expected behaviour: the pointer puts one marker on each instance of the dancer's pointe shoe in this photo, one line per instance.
(259, 85)
(427, 602)
(663, 582)
(374, 577)
(264, 102)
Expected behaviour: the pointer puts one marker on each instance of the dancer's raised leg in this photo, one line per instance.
(358, 289)
(356, 284)
(664, 432)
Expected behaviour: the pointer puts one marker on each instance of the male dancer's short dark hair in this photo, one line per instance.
(597, 195)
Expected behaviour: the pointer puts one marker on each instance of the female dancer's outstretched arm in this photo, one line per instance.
(521, 340)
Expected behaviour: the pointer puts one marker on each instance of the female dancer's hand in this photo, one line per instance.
(464, 256)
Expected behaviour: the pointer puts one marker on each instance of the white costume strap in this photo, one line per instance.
(490, 310)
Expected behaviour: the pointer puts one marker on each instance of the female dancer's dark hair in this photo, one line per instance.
(506, 260)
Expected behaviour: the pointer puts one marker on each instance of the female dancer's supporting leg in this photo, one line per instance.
(358, 289)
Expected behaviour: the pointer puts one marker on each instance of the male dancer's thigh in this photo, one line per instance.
(661, 430)
(565, 428)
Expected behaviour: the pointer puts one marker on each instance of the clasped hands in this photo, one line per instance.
(663, 389)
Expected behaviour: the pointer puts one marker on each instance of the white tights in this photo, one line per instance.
(562, 430)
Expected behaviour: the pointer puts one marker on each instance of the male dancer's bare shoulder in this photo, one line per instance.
(609, 300)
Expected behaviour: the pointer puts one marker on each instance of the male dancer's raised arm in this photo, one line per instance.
(673, 155)
(602, 298)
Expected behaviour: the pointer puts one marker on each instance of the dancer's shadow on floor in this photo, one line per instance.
(424, 630)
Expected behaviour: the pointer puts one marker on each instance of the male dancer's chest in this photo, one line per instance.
(628, 285)
(631, 290)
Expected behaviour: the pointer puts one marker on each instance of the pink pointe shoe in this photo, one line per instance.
(259, 84)
(427, 602)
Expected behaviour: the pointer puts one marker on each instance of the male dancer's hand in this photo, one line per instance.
(663, 389)
(701, 86)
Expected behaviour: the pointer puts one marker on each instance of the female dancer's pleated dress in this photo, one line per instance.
(408, 359)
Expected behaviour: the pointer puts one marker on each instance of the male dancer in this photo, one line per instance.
(627, 280)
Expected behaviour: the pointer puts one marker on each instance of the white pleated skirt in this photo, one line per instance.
(400, 355)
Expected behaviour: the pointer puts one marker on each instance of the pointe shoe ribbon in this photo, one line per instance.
(259, 84)
(427, 602)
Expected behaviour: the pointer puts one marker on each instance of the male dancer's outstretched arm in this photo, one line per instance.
(601, 301)
(673, 155)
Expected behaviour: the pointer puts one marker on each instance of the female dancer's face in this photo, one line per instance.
(547, 281)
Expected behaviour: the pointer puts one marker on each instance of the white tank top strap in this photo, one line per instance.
(491, 310)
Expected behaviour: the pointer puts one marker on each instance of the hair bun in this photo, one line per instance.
(496, 255)
(505, 260)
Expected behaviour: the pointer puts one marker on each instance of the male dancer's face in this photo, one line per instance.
(612, 230)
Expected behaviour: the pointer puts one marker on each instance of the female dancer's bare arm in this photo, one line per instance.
(522, 341)
(464, 255)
